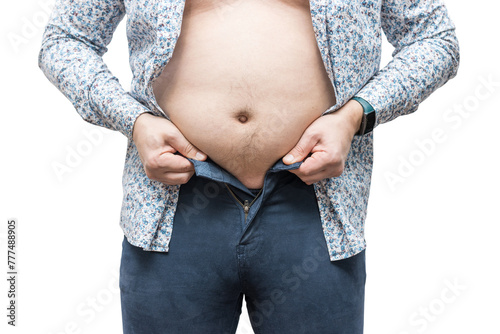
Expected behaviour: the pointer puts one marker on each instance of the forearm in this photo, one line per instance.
(425, 58)
(71, 58)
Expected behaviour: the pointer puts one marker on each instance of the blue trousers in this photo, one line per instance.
(230, 242)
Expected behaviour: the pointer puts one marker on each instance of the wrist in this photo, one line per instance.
(143, 117)
(354, 113)
(368, 117)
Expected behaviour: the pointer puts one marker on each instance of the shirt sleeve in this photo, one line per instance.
(426, 56)
(73, 44)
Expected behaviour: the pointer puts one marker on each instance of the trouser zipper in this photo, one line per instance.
(246, 204)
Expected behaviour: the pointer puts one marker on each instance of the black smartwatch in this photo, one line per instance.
(368, 120)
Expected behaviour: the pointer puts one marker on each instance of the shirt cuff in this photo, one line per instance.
(118, 109)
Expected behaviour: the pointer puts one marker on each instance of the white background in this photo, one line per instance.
(436, 227)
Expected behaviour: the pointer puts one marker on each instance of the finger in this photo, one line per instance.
(310, 179)
(174, 163)
(301, 150)
(184, 147)
(157, 166)
(172, 179)
(317, 167)
(314, 164)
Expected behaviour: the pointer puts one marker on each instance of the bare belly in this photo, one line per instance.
(245, 80)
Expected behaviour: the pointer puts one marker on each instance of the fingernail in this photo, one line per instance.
(288, 158)
(199, 156)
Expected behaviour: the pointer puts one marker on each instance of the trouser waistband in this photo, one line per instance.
(210, 170)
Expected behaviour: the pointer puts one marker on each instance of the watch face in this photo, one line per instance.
(370, 121)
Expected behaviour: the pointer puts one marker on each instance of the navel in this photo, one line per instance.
(242, 116)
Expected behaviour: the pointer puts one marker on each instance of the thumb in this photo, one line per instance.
(301, 150)
(184, 147)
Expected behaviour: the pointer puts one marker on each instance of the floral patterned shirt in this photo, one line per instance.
(349, 37)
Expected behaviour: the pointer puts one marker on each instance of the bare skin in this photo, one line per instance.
(246, 85)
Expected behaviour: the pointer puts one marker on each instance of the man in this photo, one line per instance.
(250, 147)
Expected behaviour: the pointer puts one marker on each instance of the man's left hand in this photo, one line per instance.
(325, 144)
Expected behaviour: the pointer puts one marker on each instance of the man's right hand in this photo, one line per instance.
(157, 140)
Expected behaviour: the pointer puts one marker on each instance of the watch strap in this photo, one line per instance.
(368, 120)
